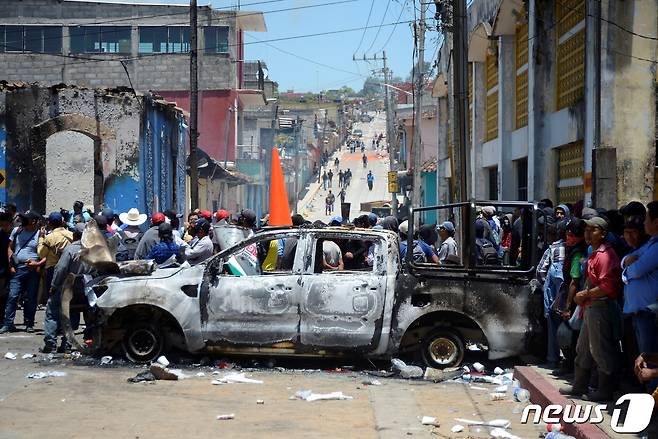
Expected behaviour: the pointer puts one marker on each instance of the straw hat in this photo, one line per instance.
(133, 217)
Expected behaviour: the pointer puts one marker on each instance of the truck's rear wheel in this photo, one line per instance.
(143, 342)
(442, 348)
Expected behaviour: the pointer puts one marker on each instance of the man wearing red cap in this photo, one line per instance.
(206, 214)
(150, 238)
(221, 217)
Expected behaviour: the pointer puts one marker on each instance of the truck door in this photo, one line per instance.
(254, 301)
(343, 308)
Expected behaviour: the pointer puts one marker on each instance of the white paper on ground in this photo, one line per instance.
(235, 378)
(457, 428)
(501, 423)
(429, 420)
(27, 356)
(308, 395)
(40, 375)
(499, 432)
(10, 356)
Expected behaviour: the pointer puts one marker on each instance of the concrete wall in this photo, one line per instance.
(138, 148)
(147, 71)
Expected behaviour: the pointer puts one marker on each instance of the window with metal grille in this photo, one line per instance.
(570, 53)
(491, 78)
(571, 168)
(31, 39)
(100, 39)
(216, 39)
(521, 75)
(164, 39)
(493, 183)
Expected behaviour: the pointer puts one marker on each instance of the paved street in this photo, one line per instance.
(96, 401)
(313, 206)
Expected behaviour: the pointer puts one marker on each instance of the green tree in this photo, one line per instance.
(371, 87)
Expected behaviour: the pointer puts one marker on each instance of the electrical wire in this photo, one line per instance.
(365, 28)
(388, 4)
(394, 27)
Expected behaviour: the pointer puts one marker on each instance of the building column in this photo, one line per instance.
(533, 126)
(506, 115)
(479, 186)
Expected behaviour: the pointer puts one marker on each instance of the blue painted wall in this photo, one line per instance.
(429, 195)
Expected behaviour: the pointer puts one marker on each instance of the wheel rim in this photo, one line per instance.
(443, 351)
(143, 342)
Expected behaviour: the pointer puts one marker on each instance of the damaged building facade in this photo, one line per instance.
(539, 123)
(107, 148)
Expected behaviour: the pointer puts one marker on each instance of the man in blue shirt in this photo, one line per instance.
(423, 252)
(640, 276)
(25, 265)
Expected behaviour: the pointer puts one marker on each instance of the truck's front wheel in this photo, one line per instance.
(442, 348)
(143, 342)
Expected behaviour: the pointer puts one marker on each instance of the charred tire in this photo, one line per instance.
(442, 348)
(143, 342)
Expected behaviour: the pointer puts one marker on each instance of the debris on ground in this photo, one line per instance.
(438, 375)
(226, 417)
(429, 420)
(498, 396)
(162, 373)
(27, 356)
(41, 375)
(380, 373)
(406, 371)
(142, 376)
(236, 378)
(162, 360)
(222, 364)
(308, 395)
(499, 371)
(500, 433)
(10, 356)
(457, 428)
(479, 367)
(371, 382)
(200, 374)
(500, 423)
(106, 360)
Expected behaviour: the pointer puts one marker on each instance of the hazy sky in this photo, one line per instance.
(292, 72)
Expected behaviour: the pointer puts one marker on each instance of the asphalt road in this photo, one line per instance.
(313, 206)
(97, 401)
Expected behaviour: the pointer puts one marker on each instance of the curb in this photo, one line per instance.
(544, 393)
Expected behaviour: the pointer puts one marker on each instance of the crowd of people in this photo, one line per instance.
(39, 253)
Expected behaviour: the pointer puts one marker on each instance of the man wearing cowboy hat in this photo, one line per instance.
(131, 234)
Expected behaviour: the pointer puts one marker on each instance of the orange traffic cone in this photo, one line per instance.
(279, 209)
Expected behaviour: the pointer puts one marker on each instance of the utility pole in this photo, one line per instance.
(194, 108)
(460, 81)
(418, 118)
(390, 134)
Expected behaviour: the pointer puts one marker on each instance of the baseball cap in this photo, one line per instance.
(206, 214)
(221, 214)
(336, 220)
(372, 219)
(634, 222)
(447, 225)
(404, 227)
(588, 213)
(108, 214)
(157, 218)
(203, 224)
(55, 217)
(249, 216)
(597, 221)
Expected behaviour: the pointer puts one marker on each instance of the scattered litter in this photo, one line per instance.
(162, 360)
(497, 396)
(179, 373)
(200, 374)
(308, 395)
(477, 378)
(479, 367)
(501, 389)
(162, 373)
(438, 375)
(27, 356)
(429, 420)
(224, 365)
(260, 401)
(500, 423)
(457, 428)
(64, 400)
(520, 394)
(40, 375)
(10, 356)
(499, 432)
(371, 382)
(554, 427)
(75, 355)
(106, 360)
(406, 371)
(380, 373)
(235, 378)
(142, 376)
(478, 388)
(226, 417)
(499, 371)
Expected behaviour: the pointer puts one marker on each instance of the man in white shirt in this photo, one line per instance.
(448, 243)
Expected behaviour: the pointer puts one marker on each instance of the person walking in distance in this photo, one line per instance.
(341, 178)
(342, 195)
(325, 179)
(371, 180)
(330, 175)
(364, 159)
(329, 203)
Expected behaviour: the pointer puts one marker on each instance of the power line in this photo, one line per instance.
(365, 28)
(394, 27)
(388, 4)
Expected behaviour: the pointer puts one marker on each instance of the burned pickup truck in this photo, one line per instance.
(376, 306)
